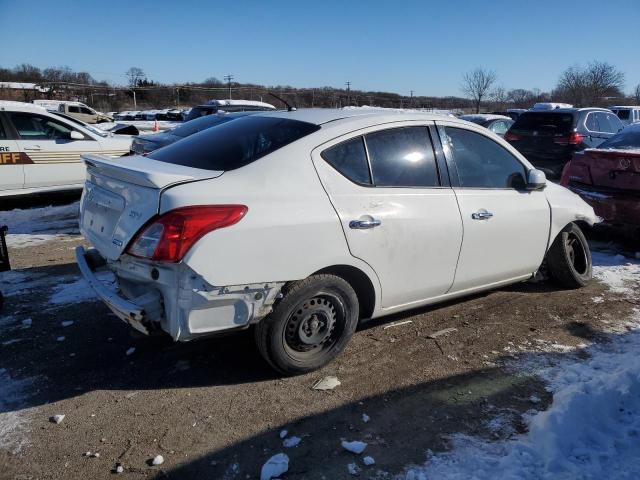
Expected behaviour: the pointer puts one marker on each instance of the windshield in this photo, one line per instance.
(199, 124)
(232, 145)
(94, 130)
(627, 139)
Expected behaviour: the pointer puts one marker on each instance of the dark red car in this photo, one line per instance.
(608, 177)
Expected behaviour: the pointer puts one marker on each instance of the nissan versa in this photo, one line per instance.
(302, 223)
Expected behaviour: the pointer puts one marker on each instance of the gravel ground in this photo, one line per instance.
(214, 410)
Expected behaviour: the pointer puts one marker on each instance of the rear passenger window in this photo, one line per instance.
(402, 157)
(483, 163)
(350, 159)
(591, 123)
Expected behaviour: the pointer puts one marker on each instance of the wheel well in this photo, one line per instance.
(360, 283)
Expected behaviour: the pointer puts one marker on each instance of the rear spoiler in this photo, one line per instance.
(144, 171)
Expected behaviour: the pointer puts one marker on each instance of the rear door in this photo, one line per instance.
(396, 207)
(11, 160)
(506, 228)
(55, 156)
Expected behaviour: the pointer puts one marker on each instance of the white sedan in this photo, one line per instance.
(302, 223)
(40, 150)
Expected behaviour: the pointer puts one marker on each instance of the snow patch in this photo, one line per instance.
(275, 466)
(13, 421)
(34, 226)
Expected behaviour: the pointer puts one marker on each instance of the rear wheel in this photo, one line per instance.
(569, 258)
(310, 326)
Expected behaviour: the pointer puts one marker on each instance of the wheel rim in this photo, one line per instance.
(577, 254)
(314, 326)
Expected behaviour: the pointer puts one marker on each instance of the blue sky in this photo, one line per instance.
(395, 46)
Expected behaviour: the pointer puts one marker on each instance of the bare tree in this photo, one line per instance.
(477, 84)
(135, 76)
(499, 97)
(591, 85)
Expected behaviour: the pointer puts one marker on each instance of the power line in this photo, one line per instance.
(228, 77)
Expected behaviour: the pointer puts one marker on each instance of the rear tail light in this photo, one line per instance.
(572, 139)
(510, 137)
(168, 237)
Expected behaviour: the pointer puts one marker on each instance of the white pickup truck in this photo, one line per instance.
(40, 150)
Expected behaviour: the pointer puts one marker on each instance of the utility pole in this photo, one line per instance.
(228, 79)
(348, 93)
(135, 105)
(411, 99)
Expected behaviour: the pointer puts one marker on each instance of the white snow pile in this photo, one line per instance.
(35, 226)
(13, 420)
(275, 466)
(591, 430)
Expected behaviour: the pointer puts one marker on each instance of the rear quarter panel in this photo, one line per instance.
(289, 232)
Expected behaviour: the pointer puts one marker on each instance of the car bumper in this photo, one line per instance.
(125, 309)
(171, 297)
(616, 209)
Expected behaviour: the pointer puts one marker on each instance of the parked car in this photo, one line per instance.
(498, 124)
(608, 178)
(302, 223)
(40, 151)
(228, 106)
(548, 139)
(627, 114)
(75, 109)
(512, 113)
(144, 144)
(550, 106)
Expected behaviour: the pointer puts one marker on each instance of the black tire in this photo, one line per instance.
(310, 325)
(569, 258)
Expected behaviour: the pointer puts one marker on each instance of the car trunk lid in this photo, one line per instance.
(610, 169)
(123, 194)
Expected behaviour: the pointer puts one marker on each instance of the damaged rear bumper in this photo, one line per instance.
(126, 310)
(171, 297)
(615, 208)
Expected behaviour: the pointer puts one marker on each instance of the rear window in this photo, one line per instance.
(547, 121)
(232, 145)
(622, 114)
(199, 124)
(627, 139)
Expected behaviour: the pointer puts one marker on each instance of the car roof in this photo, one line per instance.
(624, 106)
(484, 116)
(21, 106)
(321, 116)
(571, 110)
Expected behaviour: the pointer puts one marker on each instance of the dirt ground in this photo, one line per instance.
(214, 410)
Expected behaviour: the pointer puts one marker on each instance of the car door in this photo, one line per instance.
(398, 212)
(11, 160)
(55, 155)
(506, 227)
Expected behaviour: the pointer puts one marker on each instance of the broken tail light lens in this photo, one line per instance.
(168, 237)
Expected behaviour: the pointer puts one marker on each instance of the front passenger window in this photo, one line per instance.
(483, 163)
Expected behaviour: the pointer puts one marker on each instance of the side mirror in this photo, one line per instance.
(536, 180)
(75, 135)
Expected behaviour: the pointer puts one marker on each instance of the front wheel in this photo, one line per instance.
(569, 258)
(310, 326)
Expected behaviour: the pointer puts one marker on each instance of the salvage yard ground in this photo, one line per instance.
(440, 392)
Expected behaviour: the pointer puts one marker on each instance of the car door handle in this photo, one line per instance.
(364, 224)
(35, 148)
(481, 215)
